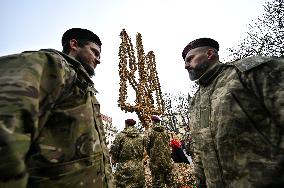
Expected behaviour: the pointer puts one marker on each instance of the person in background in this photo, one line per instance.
(128, 152)
(51, 131)
(236, 117)
(158, 149)
(177, 153)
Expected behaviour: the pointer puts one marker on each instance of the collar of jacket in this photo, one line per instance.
(131, 131)
(210, 75)
(76, 64)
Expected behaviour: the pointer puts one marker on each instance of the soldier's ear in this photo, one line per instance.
(73, 44)
(210, 54)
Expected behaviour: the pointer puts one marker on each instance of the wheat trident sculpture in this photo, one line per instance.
(141, 74)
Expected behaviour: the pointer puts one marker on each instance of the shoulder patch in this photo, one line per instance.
(250, 62)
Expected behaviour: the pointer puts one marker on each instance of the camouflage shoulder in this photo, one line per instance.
(68, 71)
(63, 59)
(17, 55)
(31, 59)
(121, 134)
(249, 63)
(58, 55)
(53, 53)
(11, 56)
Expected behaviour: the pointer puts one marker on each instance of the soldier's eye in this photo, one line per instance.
(188, 59)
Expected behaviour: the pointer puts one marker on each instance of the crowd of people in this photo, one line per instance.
(156, 149)
(51, 131)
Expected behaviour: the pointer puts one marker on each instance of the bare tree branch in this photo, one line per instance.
(265, 36)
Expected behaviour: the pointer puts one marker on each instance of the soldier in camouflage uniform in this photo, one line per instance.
(158, 149)
(237, 117)
(127, 150)
(51, 132)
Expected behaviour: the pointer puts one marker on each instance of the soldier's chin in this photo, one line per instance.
(193, 76)
(90, 70)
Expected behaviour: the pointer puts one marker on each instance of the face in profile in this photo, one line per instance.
(196, 63)
(89, 56)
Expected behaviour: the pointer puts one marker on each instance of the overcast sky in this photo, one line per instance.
(166, 27)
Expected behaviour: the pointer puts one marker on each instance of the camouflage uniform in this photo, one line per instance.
(51, 132)
(127, 150)
(158, 149)
(237, 120)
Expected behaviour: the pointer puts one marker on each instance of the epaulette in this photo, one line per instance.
(249, 63)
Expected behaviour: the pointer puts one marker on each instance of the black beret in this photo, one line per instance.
(130, 122)
(79, 33)
(199, 43)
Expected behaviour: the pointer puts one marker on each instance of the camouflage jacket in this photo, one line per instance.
(237, 119)
(51, 132)
(158, 149)
(127, 150)
(128, 145)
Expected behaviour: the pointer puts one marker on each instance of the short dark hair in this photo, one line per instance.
(83, 37)
(81, 43)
